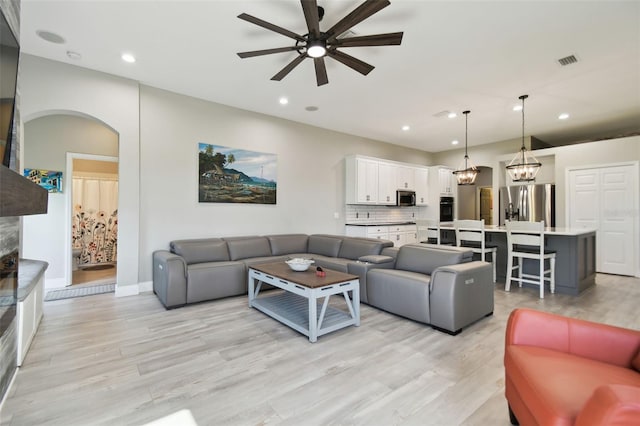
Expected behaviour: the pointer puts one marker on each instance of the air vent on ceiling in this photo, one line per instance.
(568, 60)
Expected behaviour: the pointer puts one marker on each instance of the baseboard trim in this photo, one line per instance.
(127, 290)
(145, 286)
(54, 283)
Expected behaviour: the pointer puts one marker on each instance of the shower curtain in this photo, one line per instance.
(95, 219)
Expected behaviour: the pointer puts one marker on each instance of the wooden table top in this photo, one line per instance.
(306, 278)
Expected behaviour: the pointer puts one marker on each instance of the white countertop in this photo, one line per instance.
(547, 230)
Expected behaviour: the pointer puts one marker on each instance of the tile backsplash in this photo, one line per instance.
(382, 214)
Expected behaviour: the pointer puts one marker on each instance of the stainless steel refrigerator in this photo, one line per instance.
(531, 203)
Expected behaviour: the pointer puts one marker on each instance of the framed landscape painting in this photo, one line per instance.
(229, 175)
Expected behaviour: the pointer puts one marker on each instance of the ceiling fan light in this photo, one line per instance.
(316, 50)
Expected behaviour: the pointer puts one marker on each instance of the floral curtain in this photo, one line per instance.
(95, 220)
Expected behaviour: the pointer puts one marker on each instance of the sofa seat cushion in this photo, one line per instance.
(207, 281)
(400, 292)
(554, 383)
(333, 263)
(263, 259)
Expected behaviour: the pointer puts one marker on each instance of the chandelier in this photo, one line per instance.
(524, 167)
(467, 172)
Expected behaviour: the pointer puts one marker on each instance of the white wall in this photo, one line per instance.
(46, 141)
(310, 172)
(50, 87)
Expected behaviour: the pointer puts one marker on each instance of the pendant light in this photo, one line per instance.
(524, 167)
(467, 172)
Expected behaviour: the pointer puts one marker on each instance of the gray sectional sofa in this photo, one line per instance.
(206, 269)
(435, 285)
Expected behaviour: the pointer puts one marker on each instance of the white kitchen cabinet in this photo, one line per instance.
(405, 177)
(402, 234)
(421, 179)
(387, 183)
(372, 231)
(445, 176)
(361, 181)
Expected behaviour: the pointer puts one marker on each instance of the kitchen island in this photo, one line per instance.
(575, 255)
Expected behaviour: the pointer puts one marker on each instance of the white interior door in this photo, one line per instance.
(604, 199)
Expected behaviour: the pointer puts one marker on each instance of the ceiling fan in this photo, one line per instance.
(317, 44)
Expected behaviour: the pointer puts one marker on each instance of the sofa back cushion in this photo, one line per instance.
(246, 247)
(288, 243)
(354, 248)
(201, 250)
(326, 245)
(424, 260)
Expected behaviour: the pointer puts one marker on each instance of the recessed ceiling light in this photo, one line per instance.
(73, 55)
(312, 108)
(128, 57)
(455, 142)
(283, 101)
(452, 115)
(517, 108)
(563, 116)
(406, 128)
(50, 37)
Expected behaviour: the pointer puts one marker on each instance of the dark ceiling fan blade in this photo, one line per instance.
(291, 65)
(270, 26)
(266, 51)
(362, 12)
(321, 71)
(372, 40)
(310, 9)
(353, 63)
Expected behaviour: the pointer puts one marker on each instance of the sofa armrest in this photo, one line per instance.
(611, 405)
(360, 268)
(600, 342)
(377, 259)
(169, 278)
(460, 294)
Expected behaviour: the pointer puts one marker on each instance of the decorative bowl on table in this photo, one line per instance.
(299, 264)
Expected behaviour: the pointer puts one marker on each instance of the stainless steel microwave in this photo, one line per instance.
(405, 198)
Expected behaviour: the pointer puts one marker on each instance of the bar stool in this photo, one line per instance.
(470, 234)
(428, 231)
(525, 240)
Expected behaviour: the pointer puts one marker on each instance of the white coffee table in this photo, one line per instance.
(297, 306)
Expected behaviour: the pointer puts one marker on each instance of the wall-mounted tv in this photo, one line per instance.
(9, 56)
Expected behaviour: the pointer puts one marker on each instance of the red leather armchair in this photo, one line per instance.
(566, 371)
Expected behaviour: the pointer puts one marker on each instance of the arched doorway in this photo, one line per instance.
(47, 140)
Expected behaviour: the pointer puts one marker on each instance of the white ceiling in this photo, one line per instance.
(455, 55)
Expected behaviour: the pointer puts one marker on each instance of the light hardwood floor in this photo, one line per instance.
(107, 361)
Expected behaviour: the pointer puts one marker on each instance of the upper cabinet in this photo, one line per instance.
(405, 177)
(386, 183)
(421, 179)
(362, 181)
(375, 181)
(445, 178)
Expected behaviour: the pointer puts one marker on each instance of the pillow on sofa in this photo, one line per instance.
(200, 251)
(324, 245)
